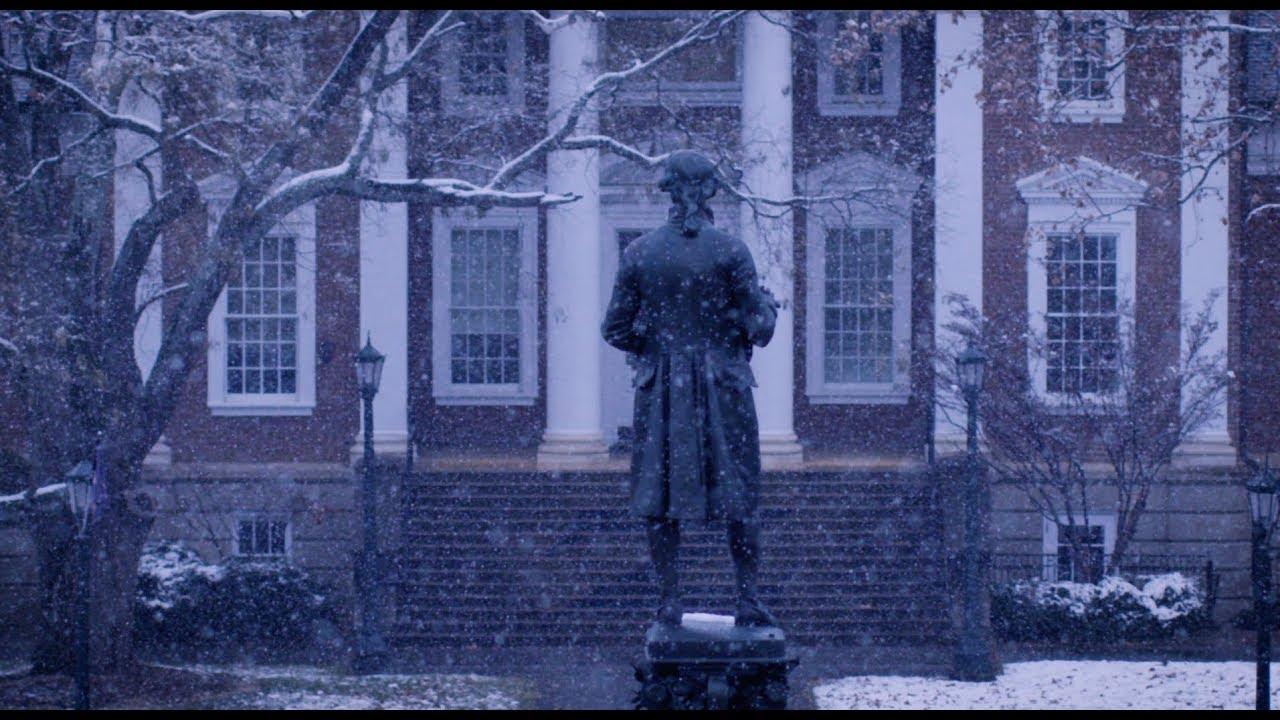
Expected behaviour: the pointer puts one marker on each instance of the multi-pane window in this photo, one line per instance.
(635, 36)
(262, 320)
(858, 306)
(261, 537)
(1082, 58)
(484, 306)
(482, 55)
(865, 75)
(1082, 318)
(1089, 564)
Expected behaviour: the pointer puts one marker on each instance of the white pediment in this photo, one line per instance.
(218, 189)
(859, 185)
(856, 173)
(1080, 180)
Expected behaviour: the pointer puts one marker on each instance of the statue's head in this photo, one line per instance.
(690, 179)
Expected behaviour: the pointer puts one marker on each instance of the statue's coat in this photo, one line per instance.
(690, 307)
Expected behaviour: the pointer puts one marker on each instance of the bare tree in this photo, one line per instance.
(234, 100)
(1113, 429)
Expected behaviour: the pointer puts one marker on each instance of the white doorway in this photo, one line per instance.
(620, 224)
(624, 217)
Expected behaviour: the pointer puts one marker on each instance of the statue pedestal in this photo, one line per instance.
(709, 663)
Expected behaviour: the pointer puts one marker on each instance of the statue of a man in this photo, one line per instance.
(688, 304)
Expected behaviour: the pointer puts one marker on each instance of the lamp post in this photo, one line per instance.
(974, 656)
(1262, 510)
(371, 654)
(79, 482)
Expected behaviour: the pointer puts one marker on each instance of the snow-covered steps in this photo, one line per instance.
(520, 558)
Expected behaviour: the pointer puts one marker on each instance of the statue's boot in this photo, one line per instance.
(664, 545)
(744, 544)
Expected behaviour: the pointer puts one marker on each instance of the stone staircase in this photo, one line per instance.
(506, 558)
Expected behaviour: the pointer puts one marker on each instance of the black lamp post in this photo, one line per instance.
(1262, 510)
(79, 481)
(974, 656)
(371, 655)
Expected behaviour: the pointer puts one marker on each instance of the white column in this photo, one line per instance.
(131, 197)
(766, 160)
(958, 229)
(384, 268)
(573, 436)
(1206, 252)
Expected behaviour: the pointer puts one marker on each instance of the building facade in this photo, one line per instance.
(975, 131)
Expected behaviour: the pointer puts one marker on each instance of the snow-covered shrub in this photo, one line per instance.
(1114, 609)
(183, 600)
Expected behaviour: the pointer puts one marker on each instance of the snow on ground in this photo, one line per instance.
(1060, 685)
(290, 687)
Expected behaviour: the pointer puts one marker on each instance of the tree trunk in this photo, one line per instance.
(116, 539)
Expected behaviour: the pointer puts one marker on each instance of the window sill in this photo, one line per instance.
(258, 409)
(859, 398)
(855, 107)
(460, 399)
(1072, 113)
(729, 94)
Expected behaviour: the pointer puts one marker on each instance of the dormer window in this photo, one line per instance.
(869, 83)
(706, 73)
(484, 64)
(1082, 67)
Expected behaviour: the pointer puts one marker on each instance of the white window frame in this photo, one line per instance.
(1090, 198)
(443, 389)
(1049, 534)
(454, 102)
(829, 103)
(238, 551)
(1262, 151)
(639, 91)
(301, 225)
(892, 210)
(1111, 110)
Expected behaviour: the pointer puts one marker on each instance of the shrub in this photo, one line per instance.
(1165, 606)
(184, 601)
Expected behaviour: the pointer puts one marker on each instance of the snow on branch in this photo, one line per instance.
(705, 30)
(449, 192)
(604, 142)
(1267, 207)
(549, 25)
(311, 120)
(9, 346)
(224, 14)
(105, 116)
(437, 30)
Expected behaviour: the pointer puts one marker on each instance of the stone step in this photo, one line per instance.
(555, 558)
(640, 573)
(819, 634)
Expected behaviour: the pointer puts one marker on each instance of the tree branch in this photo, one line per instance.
(106, 117)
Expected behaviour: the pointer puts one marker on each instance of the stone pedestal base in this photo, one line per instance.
(563, 452)
(1205, 452)
(710, 664)
(781, 453)
(160, 453)
(394, 443)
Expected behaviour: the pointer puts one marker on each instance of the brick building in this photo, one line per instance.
(510, 526)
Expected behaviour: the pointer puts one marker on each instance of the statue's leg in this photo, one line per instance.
(744, 545)
(664, 547)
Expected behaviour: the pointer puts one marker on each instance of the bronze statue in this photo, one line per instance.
(687, 302)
